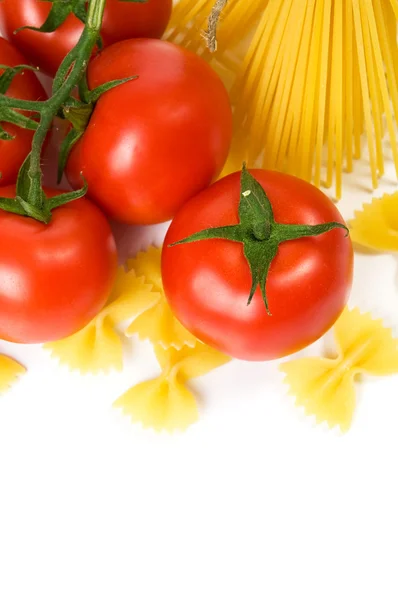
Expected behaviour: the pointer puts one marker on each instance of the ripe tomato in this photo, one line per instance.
(154, 142)
(53, 278)
(122, 20)
(207, 283)
(24, 86)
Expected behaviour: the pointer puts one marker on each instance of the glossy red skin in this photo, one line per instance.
(53, 278)
(122, 20)
(24, 86)
(207, 283)
(154, 142)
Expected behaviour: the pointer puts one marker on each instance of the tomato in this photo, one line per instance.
(24, 86)
(122, 20)
(207, 283)
(154, 142)
(53, 278)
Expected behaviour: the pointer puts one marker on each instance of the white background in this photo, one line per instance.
(253, 502)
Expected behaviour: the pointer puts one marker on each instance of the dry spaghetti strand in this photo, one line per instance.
(307, 80)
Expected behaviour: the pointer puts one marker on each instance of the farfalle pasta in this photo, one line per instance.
(325, 387)
(376, 225)
(157, 324)
(10, 370)
(166, 403)
(98, 346)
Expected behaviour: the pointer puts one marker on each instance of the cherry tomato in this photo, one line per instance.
(207, 283)
(53, 278)
(154, 142)
(24, 86)
(122, 20)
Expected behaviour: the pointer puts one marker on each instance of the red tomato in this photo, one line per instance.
(122, 20)
(154, 142)
(53, 278)
(207, 283)
(24, 86)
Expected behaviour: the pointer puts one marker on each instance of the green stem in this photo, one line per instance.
(34, 172)
(29, 105)
(84, 92)
(68, 77)
(82, 52)
(95, 13)
(262, 230)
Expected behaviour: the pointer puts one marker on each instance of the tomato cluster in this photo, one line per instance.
(122, 20)
(150, 149)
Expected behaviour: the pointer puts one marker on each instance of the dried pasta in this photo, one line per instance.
(166, 403)
(98, 346)
(157, 324)
(325, 387)
(317, 75)
(10, 370)
(376, 225)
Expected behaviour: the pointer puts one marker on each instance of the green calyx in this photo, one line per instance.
(40, 211)
(259, 233)
(78, 113)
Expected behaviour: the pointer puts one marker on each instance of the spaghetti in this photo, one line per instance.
(313, 77)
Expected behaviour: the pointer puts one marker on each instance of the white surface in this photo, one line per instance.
(253, 502)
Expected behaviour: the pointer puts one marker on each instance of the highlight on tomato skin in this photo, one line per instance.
(207, 283)
(122, 20)
(152, 143)
(54, 278)
(24, 86)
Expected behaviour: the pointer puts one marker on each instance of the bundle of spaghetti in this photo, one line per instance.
(317, 75)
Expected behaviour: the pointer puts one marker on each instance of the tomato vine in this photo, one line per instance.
(30, 198)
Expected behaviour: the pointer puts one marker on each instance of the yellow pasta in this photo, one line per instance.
(376, 225)
(10, 370)
(98, 346)
(189, 21)
(307, 80)
(157, 324)
(325, 387)
(166, 403)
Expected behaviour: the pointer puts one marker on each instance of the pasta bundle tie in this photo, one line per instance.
(324, 386)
